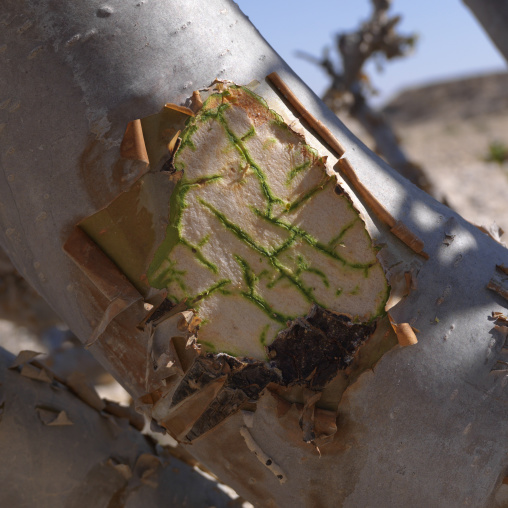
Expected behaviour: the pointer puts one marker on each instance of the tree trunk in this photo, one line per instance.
(493, 15)
(426, 427)
(59, 451)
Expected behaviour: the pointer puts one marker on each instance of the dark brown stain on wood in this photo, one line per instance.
(313, 349)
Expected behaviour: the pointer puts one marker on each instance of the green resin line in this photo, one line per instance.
(238, 232)
(173, 231)
(204, 240)
(297, 170)
(249, 134)
(268, 310)
(271, 284)
(321, 274)
(248, 274)
(290, 241)
(306, 292)
(250, 279)
(208, 346)
(201, 181)
(334, 241)
(186, 137)
(312, 241)
(262, 338)
(173, 275)
(215, 287)
(290, 207)
(257, 170)
(199, 255)
(355, 290)
(303, 266)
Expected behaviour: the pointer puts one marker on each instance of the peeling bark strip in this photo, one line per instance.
(499, 282)
(133, 144)
(313, 349)
(404, 332)
(398, 228)
(321, 130)
(105, 276)
(243, 381)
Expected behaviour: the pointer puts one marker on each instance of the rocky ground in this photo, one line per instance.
(447, 128)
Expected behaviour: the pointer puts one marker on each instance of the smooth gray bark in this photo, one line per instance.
(93, 460)
(493, 16)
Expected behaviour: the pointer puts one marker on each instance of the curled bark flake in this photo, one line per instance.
(163, 311)
(245, 383)
(404, 332)
(499, 282)
(494, 231)
(309, 353)
(37, 373)
(313, 122)
(85, 391)
(500, 318)
(53, 418)
(181, 109)
(25, 356)
(197, 101)
(133, 144)
(325, 426)
(204, 370)
(503, 268)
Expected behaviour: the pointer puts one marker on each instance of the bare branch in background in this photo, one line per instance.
(376, 38)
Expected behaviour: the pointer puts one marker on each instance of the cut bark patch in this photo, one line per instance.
(257, 228)
(309, 353)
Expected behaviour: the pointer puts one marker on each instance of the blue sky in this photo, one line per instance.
(451, 42)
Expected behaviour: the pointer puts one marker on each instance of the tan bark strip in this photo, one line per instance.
(404, 332)
(98, 267)
(181, 109)
(133, 143)
(320, 129)
(496, 286)
(398, 228)
(261, 455)
(197, 102)
(500, 318)
(104, 274)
